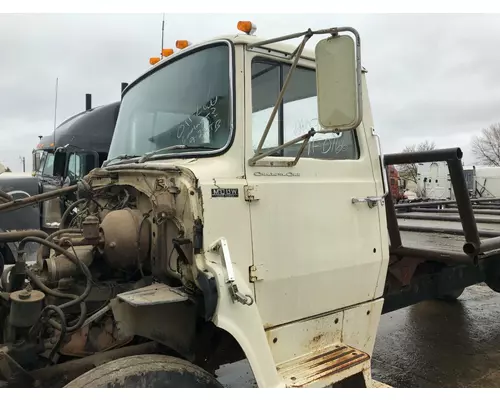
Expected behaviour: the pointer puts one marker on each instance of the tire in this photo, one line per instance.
(452, 296)
(146, 371)
(493, 282)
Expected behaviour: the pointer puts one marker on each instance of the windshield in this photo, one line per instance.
(46, 164)
(37, 157)
(186, 103)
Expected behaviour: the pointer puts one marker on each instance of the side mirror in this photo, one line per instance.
(338, 80)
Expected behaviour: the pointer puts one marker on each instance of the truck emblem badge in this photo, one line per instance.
(287, 174)
(223, 192)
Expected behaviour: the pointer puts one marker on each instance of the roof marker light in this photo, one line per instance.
(167, 52)
(182, 44)
(247, 27)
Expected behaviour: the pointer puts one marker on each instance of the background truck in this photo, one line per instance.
(434, 181)
(396, 185)
(82, 142)
(243, 212)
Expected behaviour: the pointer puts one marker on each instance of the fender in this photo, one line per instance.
(19, 186)
(243, 322)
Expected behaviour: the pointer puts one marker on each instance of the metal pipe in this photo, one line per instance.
(423, 156)
(282, 93)
(27, 201)
(489, 244)
(455, 211)
(484, 200)
(392, 222)
(16, 236)
(452, 156)
(425, 204)
(464, 205)
(88, 101)
(433, 255)
(443, 202)
(435, 210)
(278, 39)
(451, 231)
(485, 207)
(449, 218)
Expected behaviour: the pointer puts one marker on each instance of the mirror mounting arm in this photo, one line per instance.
(305, 137)
(299, 50)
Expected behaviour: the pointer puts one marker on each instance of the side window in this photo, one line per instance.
(265, 91)
(37, 158)
(48, 165)
(296, 115)
(75, 166)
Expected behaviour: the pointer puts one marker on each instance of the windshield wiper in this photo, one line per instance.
(120, 157)
(148, 156)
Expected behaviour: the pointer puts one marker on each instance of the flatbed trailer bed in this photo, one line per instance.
(439, 248)
(437, 230)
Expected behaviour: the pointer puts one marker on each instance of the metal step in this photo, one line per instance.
(313, 368)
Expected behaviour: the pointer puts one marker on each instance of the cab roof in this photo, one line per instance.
(236, 39)
(91, 129)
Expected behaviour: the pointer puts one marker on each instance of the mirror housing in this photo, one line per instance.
(338, 80)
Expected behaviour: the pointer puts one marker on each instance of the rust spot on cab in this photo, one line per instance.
(317, 338)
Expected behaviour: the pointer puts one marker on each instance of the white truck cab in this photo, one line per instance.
(292, 198)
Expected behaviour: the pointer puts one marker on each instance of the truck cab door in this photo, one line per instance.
(78, 164)
(314, 250)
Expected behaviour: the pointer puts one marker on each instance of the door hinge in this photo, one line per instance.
(254, 273)
(251, 193)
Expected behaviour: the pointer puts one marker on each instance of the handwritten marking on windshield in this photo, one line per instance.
(188, 133)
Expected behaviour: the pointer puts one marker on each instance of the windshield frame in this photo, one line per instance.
(232, 102)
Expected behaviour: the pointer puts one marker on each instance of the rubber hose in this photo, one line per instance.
(58, 248)
(55, 293)
(75, 299)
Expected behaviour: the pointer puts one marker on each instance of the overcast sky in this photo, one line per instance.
(430, 76)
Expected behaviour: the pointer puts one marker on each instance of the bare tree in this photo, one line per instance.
(409, 171)
(486, 146)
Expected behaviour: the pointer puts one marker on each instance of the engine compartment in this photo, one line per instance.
(125, 232)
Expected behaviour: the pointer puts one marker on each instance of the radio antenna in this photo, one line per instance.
(55, 111)
(162, 34)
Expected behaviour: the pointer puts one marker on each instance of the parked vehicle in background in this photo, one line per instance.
(82, 143)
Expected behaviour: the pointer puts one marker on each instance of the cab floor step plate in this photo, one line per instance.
(317, 366)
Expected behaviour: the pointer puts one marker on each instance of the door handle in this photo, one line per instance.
(370, 200)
